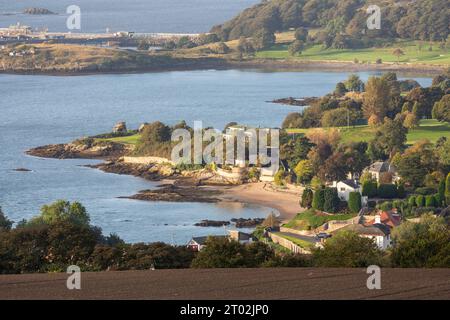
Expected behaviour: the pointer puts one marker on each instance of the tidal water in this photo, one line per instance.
(171, 16)
(39, 110)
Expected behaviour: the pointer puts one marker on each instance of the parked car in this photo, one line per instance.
(323, 235)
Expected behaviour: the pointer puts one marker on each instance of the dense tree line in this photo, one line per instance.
(344, 21)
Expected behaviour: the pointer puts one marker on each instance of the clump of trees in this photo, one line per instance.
(61, 235)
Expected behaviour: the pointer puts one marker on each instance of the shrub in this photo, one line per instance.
(354, 202)
(425, 191)
(430, 201)
(388, 191)
(319, 199)
(385, 206)
(412, 201)
(447, 189)
(331, 200)
(401, 192)
(279, 178)
(369, 188)
(371, 204)
(307, 198)
(420, 201)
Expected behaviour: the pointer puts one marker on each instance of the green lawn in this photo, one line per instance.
(410, 48)
(125, 140)
(310, 220)
(428, 129)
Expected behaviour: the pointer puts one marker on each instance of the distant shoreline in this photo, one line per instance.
(256, 64)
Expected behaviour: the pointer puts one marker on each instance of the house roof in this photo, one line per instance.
(351, 183)
(389, 218)
(372, 230)
(202, 240)
(381, 166)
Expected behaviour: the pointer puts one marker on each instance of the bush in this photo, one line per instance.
(347, 249)
(331, 200)
(386, 206)
(447, 189)
(412, 201)
(369, 189)
(430, 201)
(319, 199)
(354, 202)
(387, 191)
(420, 201)
(425, 191)
(307, 198)
(401, 192)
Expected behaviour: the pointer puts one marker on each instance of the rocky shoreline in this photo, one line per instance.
(300, 102)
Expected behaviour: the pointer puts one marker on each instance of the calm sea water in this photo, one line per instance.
(39, 110)
(173, 16)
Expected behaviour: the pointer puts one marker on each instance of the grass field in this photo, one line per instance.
(125, 140)
(317, 52)
(310, 220)
(428, 129)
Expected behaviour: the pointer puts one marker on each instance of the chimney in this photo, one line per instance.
(377, 218)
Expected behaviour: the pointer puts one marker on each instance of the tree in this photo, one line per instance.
(319, 199)
(354, 83)
(220, 252)
(331, 200)
(441, 109)
(389, 138)
(347, 249)
(301, 34)
(421, 245)
(398, 53)
(430, 201)
(411, 121)
(369, 188)
(63, 211)
(340, 90)
(307, 198)
(304, 171)
(264, 39)
(354, 202)
(376, 98)
(5, 223)
(245, 47)
(296, 47)
(447, 189)
(387, 191)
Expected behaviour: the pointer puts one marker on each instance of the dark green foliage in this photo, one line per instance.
(319, 199)
(420, 201)
(369, 188)
(401, 192)
(223, 253)
(430, 201)
(447, 189)
(354, 202)
(347, 249)
(307, 198)
(412, 201)
(422, 245)
(425, 191)
(331, 200)
(5, 223)
(387, 191)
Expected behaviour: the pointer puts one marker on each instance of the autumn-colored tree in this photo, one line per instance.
(376, 98)
(398, 53)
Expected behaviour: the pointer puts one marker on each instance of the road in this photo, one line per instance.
(280, 283)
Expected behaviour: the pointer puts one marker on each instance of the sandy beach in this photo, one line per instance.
(285, 202)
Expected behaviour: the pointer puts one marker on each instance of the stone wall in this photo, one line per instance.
(288, 244)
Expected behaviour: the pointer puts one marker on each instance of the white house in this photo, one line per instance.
(344, 188)
(379, 232)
